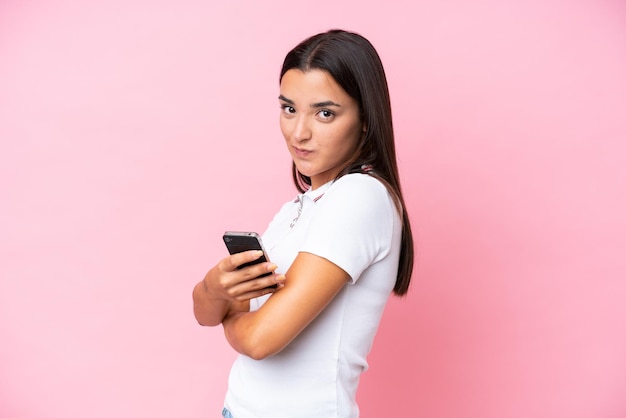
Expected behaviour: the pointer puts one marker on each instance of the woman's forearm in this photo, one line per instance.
(244, 334)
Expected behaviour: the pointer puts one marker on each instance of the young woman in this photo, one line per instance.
(337, 251)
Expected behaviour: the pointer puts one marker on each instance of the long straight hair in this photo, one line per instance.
(355, 65)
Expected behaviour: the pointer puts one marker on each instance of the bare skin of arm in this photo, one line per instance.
(226, 290)
(311, 283)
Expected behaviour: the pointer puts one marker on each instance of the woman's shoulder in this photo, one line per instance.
(358, 190)
(359, 184)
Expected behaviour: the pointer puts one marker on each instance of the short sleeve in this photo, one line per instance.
(353, 224)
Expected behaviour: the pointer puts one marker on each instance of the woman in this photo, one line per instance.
(337, 251)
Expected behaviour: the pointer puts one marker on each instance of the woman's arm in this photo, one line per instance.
(226, 290)
(312, 282)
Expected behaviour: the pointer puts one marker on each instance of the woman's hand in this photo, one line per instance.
(226, 289)
(225, 281)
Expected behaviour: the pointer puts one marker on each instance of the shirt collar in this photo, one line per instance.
(314, 195)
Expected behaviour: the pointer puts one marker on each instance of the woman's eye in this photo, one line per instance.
(325, 114)
(289, 110)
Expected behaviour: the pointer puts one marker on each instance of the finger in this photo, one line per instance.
(235, 260)
(274, 283)
(257, 286)
(237, 282)
(257, 270)
(255, 294)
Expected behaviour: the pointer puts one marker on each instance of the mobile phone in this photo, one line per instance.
(238, 242)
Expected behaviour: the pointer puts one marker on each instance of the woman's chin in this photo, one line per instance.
(305, 170)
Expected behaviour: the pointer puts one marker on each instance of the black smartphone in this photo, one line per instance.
(238, 242)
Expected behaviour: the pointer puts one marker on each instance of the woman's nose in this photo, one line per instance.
(302, 130)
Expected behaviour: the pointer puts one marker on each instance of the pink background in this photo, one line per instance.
(133, 133)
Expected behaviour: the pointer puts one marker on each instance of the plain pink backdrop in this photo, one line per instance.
(133, 133)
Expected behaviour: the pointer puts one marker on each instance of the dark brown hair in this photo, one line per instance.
(355, 65)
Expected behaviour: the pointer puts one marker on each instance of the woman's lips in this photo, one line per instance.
(302, 153)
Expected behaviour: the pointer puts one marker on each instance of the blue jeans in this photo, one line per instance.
(226, 413)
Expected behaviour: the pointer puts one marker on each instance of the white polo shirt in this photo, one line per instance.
(353, 223)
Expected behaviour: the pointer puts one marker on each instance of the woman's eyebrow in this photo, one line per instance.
(326, 103)
(286, 100)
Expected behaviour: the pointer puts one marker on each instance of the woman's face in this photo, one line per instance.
(320, 123)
